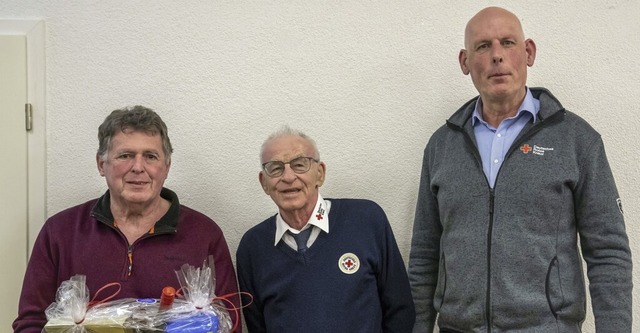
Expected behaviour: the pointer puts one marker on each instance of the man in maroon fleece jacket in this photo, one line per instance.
(137, 234)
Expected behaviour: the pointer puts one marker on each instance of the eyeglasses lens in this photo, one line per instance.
(298, 165)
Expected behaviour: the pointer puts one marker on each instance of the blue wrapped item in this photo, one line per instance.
(200, 322)
(197, 310)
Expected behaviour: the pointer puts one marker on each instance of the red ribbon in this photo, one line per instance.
(93, 301)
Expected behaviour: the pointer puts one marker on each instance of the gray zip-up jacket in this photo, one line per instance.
(507, 259)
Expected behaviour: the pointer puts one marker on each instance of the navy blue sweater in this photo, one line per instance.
(309, 292)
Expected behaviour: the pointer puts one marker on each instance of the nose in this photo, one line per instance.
(138, 164)
(288, 175)
(496, 56)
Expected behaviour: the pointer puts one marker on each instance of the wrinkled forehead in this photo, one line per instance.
(284, 148)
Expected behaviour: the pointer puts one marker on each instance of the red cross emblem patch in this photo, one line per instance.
(320, 213)
(349, 263)
(525, 148)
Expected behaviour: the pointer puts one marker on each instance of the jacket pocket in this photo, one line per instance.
(553, 287)
(441, 286)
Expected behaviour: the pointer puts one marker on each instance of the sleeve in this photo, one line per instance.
(425, 253)
(604, 242)
(253, 314)
(226, 283)
(398, 311)
(38, 288)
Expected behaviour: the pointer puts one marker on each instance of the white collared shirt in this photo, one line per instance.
(319, 219)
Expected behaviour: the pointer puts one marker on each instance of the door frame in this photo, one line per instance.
(34, 31)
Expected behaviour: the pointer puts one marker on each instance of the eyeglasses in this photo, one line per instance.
(298, 165)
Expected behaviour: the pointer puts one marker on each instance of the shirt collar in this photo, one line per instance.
(529, 104)
(167, 223)
(320, 219)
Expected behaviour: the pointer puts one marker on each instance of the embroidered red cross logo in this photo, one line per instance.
(526, 148)
(348, 263)
(319, 216)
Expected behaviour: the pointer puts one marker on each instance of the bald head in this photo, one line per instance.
(491, 18)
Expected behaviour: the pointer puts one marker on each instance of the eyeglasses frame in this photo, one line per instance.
(285, 163)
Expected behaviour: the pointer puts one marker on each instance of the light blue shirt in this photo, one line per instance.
(493, 143)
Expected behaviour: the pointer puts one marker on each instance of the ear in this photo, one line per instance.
(322, 170)
(263, 181)
(462, 59)
(530, 47)
(100, 164)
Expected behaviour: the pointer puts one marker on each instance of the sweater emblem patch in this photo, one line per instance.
(349, 263)
(525, 148)
(540, 150)
(320, 213)
(536, 150)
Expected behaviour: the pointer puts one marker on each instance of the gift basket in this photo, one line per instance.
(73, 312)
(192, 308)
(197, 308)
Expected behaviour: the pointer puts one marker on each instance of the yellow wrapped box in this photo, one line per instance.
(97, 325)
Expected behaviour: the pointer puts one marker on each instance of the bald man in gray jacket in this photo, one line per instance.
(507, 185)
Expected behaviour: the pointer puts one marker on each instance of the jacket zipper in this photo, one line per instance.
(129, 246)
(130, 250)
(478, 160)
(489, 240)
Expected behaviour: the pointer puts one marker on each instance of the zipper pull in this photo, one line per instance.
(130, 255)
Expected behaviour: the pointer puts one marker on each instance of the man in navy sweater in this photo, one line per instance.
(319, 265)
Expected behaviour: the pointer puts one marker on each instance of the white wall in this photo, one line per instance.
(369, 80)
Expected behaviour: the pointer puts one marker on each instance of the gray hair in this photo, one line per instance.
(285, 130)
(137, 118)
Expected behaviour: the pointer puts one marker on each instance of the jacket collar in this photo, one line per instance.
(549, 105)
(168, 223)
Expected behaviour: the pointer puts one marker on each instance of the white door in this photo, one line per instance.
(13, 175)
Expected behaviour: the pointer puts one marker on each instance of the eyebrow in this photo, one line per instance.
(487, 40)
(130, 150)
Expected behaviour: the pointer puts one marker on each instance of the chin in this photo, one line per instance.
(288, 206)
(138, 198)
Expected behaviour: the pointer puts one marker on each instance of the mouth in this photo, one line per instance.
(497, 75)
(137, 183)
(290, 191)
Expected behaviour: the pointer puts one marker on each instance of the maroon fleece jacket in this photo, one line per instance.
(83, 240)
